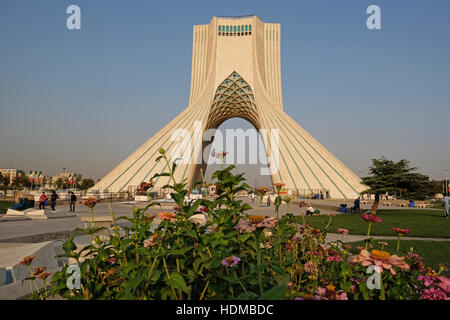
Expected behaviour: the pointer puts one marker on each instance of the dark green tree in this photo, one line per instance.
(23, 181)
(59, 183)
(399, 177)
(4, 179)
(86, 184)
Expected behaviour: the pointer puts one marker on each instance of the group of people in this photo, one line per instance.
(269, 199)
(53, 197)
(43, 200)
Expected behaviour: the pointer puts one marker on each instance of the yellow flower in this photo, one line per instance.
(380, 255)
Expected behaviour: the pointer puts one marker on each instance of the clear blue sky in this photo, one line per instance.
(91, 97)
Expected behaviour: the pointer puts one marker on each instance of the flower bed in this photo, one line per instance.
(212, 249)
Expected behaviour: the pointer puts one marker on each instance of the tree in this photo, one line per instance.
(23, 181)
(86, 184)
(5, 180)
(59, 183)
(389, 176)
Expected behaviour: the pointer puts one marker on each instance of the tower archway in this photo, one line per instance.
(233, 98)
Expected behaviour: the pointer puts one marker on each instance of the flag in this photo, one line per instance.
(74, 179)
(70, 178)
(35, 177)
(30, 176)
(40, 177)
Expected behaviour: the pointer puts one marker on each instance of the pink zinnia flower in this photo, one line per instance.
(309, 267)
(371, 218)
(342, 231)
(254, 222)
(220, 154)
(400, 230)
(381, 259)
(230, 261)
(336, 259)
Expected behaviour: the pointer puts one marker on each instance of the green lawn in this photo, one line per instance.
(433, 252)
(4, 205)
(421, 223)
(437, 204)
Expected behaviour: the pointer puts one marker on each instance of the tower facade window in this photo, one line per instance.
(240, 30)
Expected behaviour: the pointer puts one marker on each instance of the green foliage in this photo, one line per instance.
(86, 184)
(399, 177)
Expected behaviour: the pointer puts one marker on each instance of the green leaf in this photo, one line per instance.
(364, 291)
(276, 293)
(177, 281)
(346, 286)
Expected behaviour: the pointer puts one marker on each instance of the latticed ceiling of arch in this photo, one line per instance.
(233, 99)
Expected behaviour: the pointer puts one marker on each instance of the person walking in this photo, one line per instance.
(357, 204)
(42, 200)
(73, 200)
(253, 197)
(269, 200)
(53, 199)
(446, 206)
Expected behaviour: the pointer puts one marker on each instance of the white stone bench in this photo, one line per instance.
(98, 222)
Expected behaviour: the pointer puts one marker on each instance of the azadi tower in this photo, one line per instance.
(236, 73)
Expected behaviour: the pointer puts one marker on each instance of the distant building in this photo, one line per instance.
(12, 174)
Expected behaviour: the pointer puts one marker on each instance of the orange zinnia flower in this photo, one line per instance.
(27, 260)
(167, 216)
(91, 202)
(151, 242)
(39, 270)
(262, 190)
(43, 275)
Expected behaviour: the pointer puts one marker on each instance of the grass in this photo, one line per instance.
(421, 223)
(433, 252)
(437, 204)
(4, 205)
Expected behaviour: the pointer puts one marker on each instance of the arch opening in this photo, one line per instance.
(245, 150)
